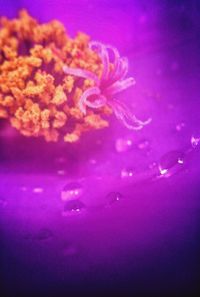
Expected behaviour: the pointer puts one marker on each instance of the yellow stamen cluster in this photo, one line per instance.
(35, 95)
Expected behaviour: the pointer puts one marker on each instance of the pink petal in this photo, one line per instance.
(80, 73)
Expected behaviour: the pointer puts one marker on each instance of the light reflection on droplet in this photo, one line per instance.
(195, 141)
(123, 144)
(171, 162)
(113, 197)
(73, 206)
(72, 190)
(38, 190)
(127, 173)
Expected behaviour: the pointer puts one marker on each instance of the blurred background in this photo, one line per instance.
(130, 229)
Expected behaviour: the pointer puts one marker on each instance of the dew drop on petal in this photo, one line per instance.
(127, 173)
(71, 191)
(171, 162)
(73, 206)
(44, 234)
(123, 145)
(113, 197)
(195, 141)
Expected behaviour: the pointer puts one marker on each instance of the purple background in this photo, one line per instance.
(148, 242)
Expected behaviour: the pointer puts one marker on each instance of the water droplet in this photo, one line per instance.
(74, 206)
(143, 145)
(38, 190)
(123, 145)
(127, 173)
(171, 162)
(180, 127)
(195, 141)
(71, 190)
(113, 197)
(44, 234)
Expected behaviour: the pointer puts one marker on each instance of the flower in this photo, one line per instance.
(112, 81)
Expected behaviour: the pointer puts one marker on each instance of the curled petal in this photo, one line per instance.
(121, 69)
(101, 50)
(119, 86)
(124, 115)
(83, 100)
(80, 73)
(124, 67)
(116, 57)
(98, 103)
(115, 54)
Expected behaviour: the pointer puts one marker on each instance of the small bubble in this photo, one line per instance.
(44, 234)
(123, 145)
(143, 145)
(180, 127)
(38, 190)
(74, 206)
(152, 165)
(171, 162)
(113, 197)
(127, 173)
(195, 141)
(71, 190)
